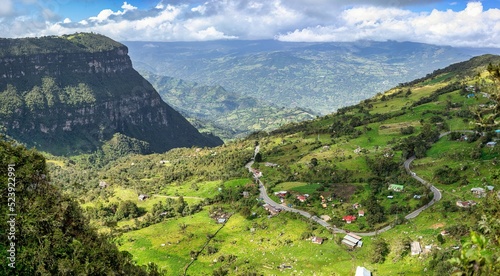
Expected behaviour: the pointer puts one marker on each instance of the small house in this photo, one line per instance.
(351, 240)
(246, 194)
(257, 173)
(361, 271)
(271, 209)
(325, 217)
(396, 187)
(466, 204)
(302, 198)
(479, 192)
(221, 220)
(416, 249)
(103, 184)
(143, 197)
(491, 144)
(317, 240)
(269, 164)
(349, 219)
(280, 193)
(361, 213)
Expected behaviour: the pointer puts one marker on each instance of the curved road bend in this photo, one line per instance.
(407, 163)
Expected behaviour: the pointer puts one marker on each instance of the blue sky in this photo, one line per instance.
(456, 23)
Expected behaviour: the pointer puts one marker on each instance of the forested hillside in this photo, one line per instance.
(44, 231)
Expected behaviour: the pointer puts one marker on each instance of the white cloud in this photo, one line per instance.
(286, 20)
(127, 7)
(5, 7)
(471, 27)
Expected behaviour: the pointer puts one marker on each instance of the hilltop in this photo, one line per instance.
(349, 161)
(70, 94)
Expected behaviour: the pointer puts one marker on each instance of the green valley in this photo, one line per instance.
(201, 211)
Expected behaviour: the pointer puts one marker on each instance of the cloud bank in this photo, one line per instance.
(285, 20)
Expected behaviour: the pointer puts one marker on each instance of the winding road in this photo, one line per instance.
(437, 196)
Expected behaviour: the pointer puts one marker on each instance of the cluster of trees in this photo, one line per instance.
(114, 212)
(49, 94)
(418, 144)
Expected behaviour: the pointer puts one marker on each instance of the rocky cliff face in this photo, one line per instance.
(72, 100)
(53, 64)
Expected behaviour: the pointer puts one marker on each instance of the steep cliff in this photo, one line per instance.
(71, 93)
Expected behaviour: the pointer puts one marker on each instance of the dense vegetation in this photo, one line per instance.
(50, 235)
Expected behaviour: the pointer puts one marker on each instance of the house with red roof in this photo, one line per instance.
(301, 198)
(349, 219)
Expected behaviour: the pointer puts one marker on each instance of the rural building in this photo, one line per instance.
(280, 193)
(325, 217)
(301, 198)
(256, 173)
(349, 219)
(269, 164)
(479, 192)
(221, 220)
(491, 144)
(271, 209)
(143, 197)
(352, 240)
(361, 271)
(416, 249)
(396, 187)
(246, 194)
(103, 184)
(361, 213)
(466, 204)
(317, 240)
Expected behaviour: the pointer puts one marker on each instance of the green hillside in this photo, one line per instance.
(349, 161)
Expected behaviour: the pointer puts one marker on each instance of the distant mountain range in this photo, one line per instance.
(320, 77)
(70, 94)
